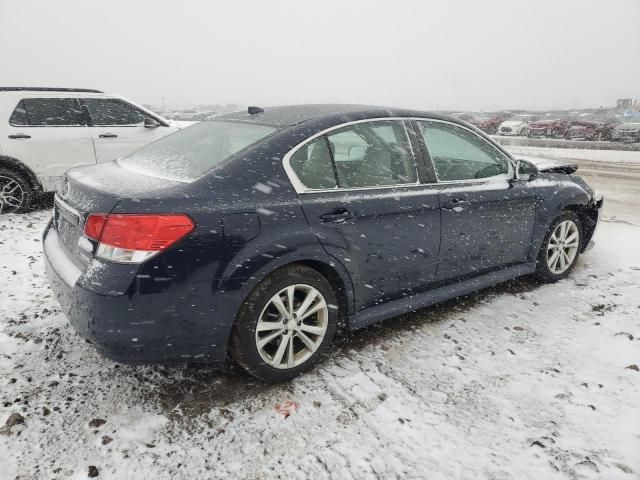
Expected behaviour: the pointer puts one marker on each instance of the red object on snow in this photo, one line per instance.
(287, 408)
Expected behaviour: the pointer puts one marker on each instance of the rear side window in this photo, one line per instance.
(373, 154)
(19, 115)
(459, 154)
(112, 111)
(47, 112)
(186, 155)
(313, 166)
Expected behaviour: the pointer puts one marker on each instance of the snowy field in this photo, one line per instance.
(621, 156)
(521, 381)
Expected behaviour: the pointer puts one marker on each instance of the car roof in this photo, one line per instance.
(48, 89)
(289, 115)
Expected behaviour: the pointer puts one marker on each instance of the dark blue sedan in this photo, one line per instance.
(260, 234)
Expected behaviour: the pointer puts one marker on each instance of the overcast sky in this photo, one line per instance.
(461, 54)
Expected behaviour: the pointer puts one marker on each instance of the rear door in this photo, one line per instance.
(118, 128)
(487, 220)
(49, 134)
(359, 186)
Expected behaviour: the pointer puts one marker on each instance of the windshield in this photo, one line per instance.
(188, 154)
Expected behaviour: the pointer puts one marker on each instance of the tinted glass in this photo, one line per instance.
(373, 154)
(459, 154)
(111, 111)
(312, 164)
(19, 115)
(47, 111)
(189, 153)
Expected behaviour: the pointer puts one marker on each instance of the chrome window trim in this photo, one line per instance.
(300, 188)
(503, 176)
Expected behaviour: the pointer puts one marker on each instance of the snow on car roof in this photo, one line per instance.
(283, 116)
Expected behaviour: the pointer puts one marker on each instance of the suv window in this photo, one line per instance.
(112, 111)
(19, 115)
(373, 154)
(459, 154)
(312, 164)
(47, 111)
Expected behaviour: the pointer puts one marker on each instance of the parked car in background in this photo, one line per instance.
(626, 132)
(187, 115)
(488, 124)
(261, 232)
(46, 131)
(584, 130)
(591, 129)
(552, 128)
(517, 125)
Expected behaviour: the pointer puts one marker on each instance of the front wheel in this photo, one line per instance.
(286, 325)
(15, 193)
(560, 249)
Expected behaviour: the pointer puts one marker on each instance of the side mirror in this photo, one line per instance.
(150, 123)
(525, 170)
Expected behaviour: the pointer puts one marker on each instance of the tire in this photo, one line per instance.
(16, 194)
(269, 360)
(551, 267)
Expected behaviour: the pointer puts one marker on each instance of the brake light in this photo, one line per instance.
(94, 224)
(133, 238)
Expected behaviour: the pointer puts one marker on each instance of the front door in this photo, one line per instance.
(118, 128)
(49, 135)
(487, 220)
(362, 196)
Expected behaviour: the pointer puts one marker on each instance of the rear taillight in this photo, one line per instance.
(133, 238)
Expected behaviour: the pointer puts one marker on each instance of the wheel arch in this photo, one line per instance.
(17, 166)
(588, 215)
(232, 291)
(337, 284)
(571, 198)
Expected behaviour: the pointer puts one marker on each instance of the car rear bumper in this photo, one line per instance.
(136, 328)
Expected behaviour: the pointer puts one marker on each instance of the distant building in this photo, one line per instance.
(624, 103)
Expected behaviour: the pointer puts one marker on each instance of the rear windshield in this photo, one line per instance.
(188, 154)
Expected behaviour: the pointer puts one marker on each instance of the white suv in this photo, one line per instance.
(45, 131)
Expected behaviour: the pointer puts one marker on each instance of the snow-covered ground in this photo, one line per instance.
(521, 381)
(621, 156)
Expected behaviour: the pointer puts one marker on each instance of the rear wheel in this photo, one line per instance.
(560, 249)
(286, 325)
(15, 192)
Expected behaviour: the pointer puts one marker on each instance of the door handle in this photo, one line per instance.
(108, 135)
(455, 204)
(19, 135)
(337, 215)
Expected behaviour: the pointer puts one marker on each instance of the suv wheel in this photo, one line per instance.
(286, 325)
(15, 192)
(560, 249)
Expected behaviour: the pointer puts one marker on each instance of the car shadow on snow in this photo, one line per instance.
(193, 390)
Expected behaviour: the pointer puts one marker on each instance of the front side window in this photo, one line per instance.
(373, 154)
(313, 166)
(186, 155)
(47, 112)
(112, 111)
(459, 154)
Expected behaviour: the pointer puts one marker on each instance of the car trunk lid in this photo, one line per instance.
(91, 190)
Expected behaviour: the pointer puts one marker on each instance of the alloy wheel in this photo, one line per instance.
(563, 246)
(292, 326)
(11, 195)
